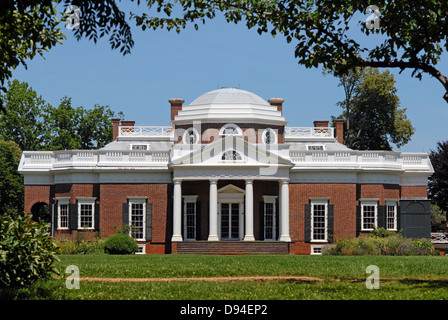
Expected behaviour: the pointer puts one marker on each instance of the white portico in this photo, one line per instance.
(231, 208)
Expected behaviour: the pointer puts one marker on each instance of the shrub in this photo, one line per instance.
(394, 244)
(382, 233)
(120, 244)
(27, 251)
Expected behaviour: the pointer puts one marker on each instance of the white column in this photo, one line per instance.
(284, 211)
(177, 211)
(249, 212)
(213, 219)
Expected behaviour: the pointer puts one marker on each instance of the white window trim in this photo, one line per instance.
(86, 201)
(272, 200)
(273, 136)
(221, 131)
(186, 135)
(392, 203)
(369, 203)
(319, 202)
(231, 161)
(141, 246)
(317, 250)
(63, 201)
(190, 199)
(137, 201)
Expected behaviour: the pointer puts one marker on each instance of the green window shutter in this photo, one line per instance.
(97, 217)
(261, 213)
(330, 227)
(125, 215)
(73, 213)
(381, 217)
(198, 221)
(54, 209)
(358, 220)
(307, 222)
(148, 221)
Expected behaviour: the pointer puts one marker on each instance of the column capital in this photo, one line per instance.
(249, 181)
(177, 180)
(213, 180)
(283, 181)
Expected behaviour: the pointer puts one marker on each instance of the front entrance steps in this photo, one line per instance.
(232, 247)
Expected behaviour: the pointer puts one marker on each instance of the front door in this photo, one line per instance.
(230, 221)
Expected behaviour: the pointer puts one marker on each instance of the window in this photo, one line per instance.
(86, 211)
(391, 215)
(137, 210)
(319, 220)
(270, 228)
(230, 129)
(191, 136)
(369, 213)
(269, 136)
(190, 208)
(63, 209)
(231, 155)
(139, 147)
(315, 147)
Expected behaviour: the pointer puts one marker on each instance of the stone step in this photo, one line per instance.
(232, 247)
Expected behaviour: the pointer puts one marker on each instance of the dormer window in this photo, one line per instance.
(191, 136)
(231, 155)
(315, 147)
(230, 130)
(269, 136)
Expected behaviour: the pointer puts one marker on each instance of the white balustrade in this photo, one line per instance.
(309, 132)
(143, 131)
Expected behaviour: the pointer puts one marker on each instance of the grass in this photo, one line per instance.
(401, 277)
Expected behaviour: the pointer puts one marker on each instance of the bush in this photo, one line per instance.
(27, 251)
(120, 244)
(383, 244)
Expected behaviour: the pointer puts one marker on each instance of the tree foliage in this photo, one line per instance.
(11, 182)
(36, 125)
(371, 108)
(410, 36)
(438, 181)
(30, 27)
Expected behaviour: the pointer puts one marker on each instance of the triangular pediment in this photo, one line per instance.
(231, 151)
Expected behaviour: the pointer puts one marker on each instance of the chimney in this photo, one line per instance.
(127, 123)
(340, 130)
(321, 123)
(176, 106)
(115, 125)
(277, 102)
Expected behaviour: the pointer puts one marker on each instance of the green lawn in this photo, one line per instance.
(415, 277)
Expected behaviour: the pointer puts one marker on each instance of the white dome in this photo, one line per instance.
(230, 105)
(229, 95)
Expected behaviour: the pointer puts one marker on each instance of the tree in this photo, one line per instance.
(372, 111)
(413, 35)
(11, 182)
(22, 121)
(34, 124)
(438, 181)
(30, 27)
(79, 128)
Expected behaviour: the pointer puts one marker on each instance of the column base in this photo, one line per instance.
(176, 238)
(249, 238)
(285, 238)
(213, 238)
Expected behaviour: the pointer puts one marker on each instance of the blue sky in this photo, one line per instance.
(166, 65)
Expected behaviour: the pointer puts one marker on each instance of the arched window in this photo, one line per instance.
(231, 155)
(269, 136)
(191, 136)
(230, 129)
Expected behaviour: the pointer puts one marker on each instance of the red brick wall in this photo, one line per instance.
(251, 132)
(35, 194)
(413, 192)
